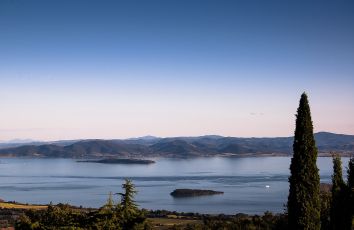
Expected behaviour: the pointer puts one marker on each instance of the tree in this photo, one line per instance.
(109, 206)
(127, 203)
(304, 193)
(131, 216)
(106, 217)
(326, 200)
(350, 185)
(350, 172)
(123, 216)
(340, 217)
(337, 177)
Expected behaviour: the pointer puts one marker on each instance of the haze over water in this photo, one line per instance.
(244, 182)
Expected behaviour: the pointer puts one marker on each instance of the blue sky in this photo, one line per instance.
(116, 69)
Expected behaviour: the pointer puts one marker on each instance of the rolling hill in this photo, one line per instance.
(178, 147)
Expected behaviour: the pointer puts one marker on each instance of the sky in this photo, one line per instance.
(118, 69)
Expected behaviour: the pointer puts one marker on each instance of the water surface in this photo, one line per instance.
(250, 185)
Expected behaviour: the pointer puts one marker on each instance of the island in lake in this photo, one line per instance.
(120, 161)
(193, 192)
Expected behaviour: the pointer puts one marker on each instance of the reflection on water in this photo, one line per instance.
(250, 185)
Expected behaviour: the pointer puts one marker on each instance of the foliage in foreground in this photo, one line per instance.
(341, 209)
(125, 215)
(239, 222)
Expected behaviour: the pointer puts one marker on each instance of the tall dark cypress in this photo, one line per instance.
(304, 193)
(340, 217)
(350, 185)
(351, 173)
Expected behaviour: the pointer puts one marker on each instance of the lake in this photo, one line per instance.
(250, 185)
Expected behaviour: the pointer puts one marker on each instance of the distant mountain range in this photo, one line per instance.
(177, 147)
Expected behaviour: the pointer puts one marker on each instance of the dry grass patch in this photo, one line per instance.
(165, 223)
(21, 206)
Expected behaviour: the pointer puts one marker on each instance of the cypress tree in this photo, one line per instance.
(350, 172)
(304, 193)
(339, 215)
(350, 185)
(337, 177)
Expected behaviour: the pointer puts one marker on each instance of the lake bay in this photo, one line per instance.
(251, 185)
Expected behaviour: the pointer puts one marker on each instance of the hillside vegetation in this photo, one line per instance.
(179, 147)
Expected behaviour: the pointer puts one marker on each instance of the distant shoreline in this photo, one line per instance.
(178, 147)
(226, 155)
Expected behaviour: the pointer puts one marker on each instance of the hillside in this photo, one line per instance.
(179, 147)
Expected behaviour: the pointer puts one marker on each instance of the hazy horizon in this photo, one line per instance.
(28, 140)
(121, 69)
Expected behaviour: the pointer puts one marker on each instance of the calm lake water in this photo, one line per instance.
(250, 185)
